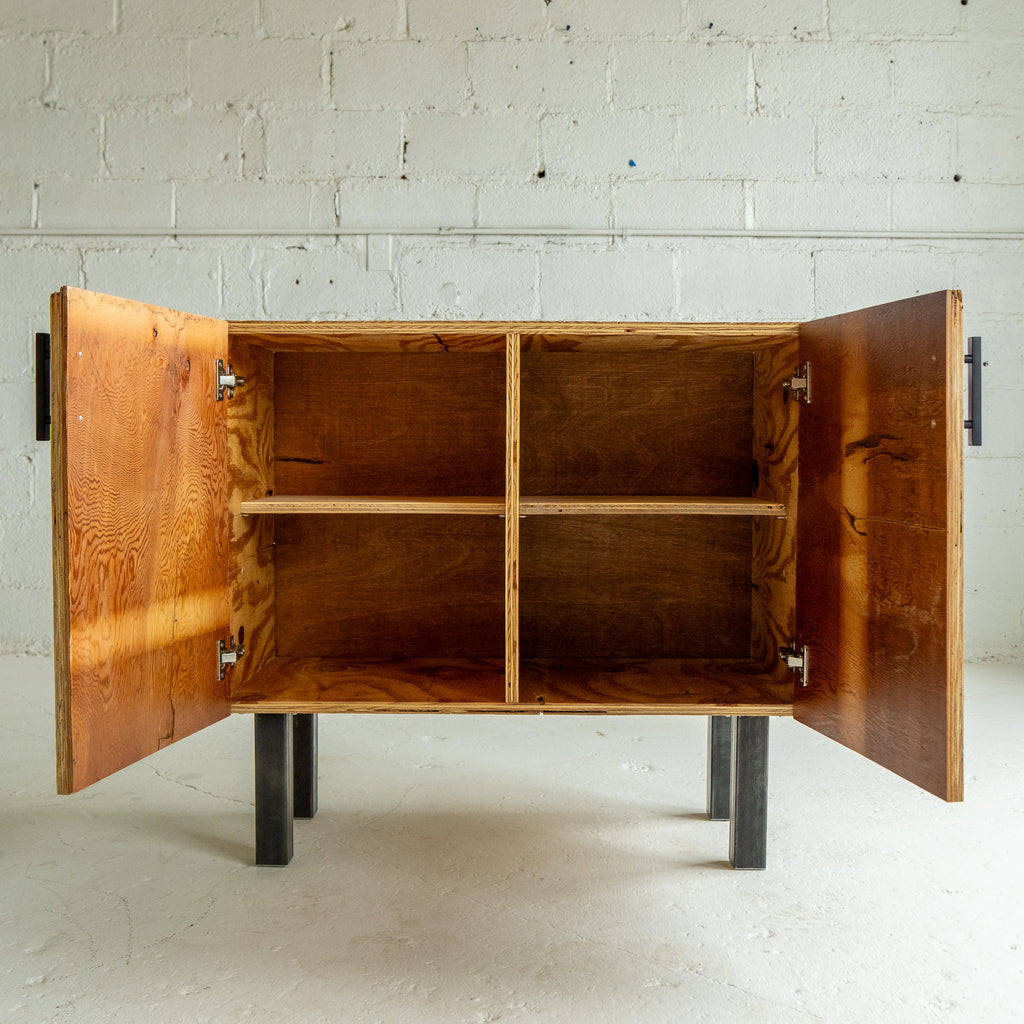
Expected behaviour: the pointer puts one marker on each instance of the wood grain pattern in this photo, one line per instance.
(650, 505)
(642, 423)
(367, 504)
(390, 425)
(776, 453)
(141, 537)
(334, 684)
(879, 585)
(512, 383)
(251, 476)
(381, 587)
(425, 337)
(634, 587)
(660, 686)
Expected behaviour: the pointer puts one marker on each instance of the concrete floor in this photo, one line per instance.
(541, 869)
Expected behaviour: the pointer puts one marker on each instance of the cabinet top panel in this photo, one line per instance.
(489, 335)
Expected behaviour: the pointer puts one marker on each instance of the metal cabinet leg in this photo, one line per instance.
(748, 818)
(719, 766)
(304, 729)
(274, 789)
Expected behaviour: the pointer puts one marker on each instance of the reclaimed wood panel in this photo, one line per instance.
(140, 531)
(642, 423)
(776, 453)
(251, 477)
(634, 587)
(512, 391)
(379, 587)
(879, 592)
(390, 425)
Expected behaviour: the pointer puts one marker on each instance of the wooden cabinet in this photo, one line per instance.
(508, 517)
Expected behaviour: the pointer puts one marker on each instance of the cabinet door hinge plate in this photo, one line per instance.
(796, 658)
(227, 381)
(799, 384)
(227, 654)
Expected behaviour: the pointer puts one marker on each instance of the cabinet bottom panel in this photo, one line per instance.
(642, 686)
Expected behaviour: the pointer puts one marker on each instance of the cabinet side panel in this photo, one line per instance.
(512, 363)
(251, 475)
(879, 589)
(774, 556)
(146, 533)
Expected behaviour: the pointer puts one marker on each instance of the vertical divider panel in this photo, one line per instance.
(512, 381)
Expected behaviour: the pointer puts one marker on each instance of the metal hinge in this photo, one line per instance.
(800, 383)
(227, 381)
(795, 657)
(227, 654)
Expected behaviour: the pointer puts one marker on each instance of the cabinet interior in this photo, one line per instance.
(508, 517)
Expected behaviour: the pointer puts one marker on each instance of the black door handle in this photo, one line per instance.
(42, 387)
(974, 364)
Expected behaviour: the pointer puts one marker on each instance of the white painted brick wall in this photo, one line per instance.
(118, 115)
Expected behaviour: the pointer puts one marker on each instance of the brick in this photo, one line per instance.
(832, 205)
(960, 76)
(16, 467)
(469, 282)
(189, 18)
(864, 276)
(68, 202)
(1004, 427)
(993, 570)
(991, 280)
(48, 142)
(26, 626)
(866, 145)
(993, 21)
(364, 76)
(726, 145)
(549, 75)
(996, 493)
(541, 203)
(242, 266)
(162, 144)
(795, 77)
(991, 149)
(680, 76)
(327, 282)
(17, 410)
(635, 20)
(15, 201)
(254, 204)
(25, 552)
(679, 204)
(471, 144)
(58, 16)
(957, 206)
(98, 70)
(330, 144)
(410, 204)
(225, 70)
(22, 69)
(757, 19)
(185, 277)
(357, 19)
(732, 280)
(469, 19)
(602, 146)
(621, 283)
(909, 19)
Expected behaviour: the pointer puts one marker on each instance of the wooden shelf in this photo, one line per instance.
(641, 686)
(604, 505)
(310, 504)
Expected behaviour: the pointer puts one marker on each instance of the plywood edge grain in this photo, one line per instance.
(311, 504)
(61, 559)
(649, 505)
(512, 505)
(954, 549)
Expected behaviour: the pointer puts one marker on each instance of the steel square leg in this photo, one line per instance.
(274, 789)
(304, 730)
(748, 817)
(719, 766)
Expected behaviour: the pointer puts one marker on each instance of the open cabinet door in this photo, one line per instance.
(140, 530)
(879, 554)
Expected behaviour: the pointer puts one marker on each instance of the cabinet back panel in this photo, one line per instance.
(637, 423)
(402, 586)
(635, 587)
(390, 424)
